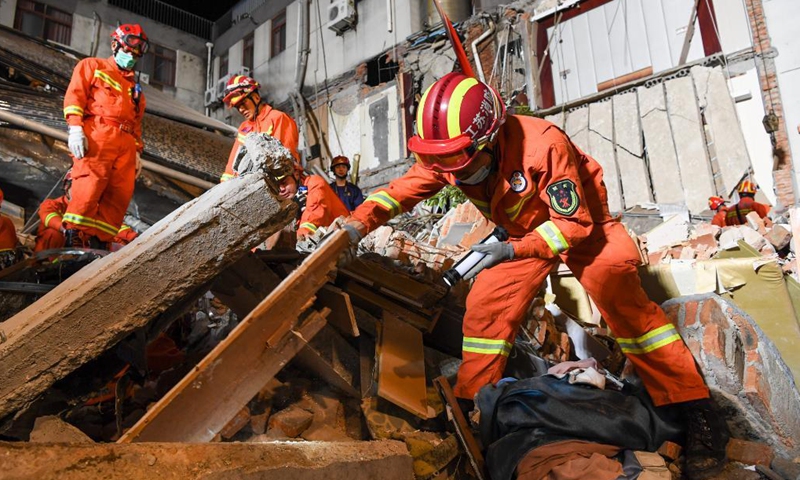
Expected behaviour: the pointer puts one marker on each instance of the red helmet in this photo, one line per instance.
(747, 187)
(132, 37)
(457, 116)
(339, 160)
(715, 202)
(238, 88)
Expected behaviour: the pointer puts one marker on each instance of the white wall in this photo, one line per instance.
(8, 8)
(782, 16)
(750, 113)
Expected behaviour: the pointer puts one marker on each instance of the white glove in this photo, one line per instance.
(138, 165)
(77, 141)
(496, 252)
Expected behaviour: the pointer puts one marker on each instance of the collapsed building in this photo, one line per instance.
(214, 355)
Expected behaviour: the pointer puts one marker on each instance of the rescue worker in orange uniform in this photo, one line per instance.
(526, 175)
(104, 106)
(319, 205)
(9, 244)
(737, 214)
(717, 204)
(51, 226)
(242, 93)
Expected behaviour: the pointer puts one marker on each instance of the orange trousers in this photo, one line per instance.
(605, 264)
(102, 181)
(49, 238)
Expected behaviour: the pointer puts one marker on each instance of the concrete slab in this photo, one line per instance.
(714, 99)
(387, 460)
(114, 296)
(556, 119)
(628, 137)
(690, 144)
(660, 146)
(601, 148)
(577, 127)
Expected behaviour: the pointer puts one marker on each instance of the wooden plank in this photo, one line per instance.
(690, 147)
(660, 146)
(401, 366)
(245, 284)
(462, 428)
(622, 80)
(234, 371)
(601, 148)
(342, 315)
(395, 283)
(113, 296)
(577, 128)
(369, 384)
(628, 137)
(714, 99)
(377, 304)
(332, 359)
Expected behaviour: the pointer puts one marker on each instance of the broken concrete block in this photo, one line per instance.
(729, 238)
(779, 236)
(743, 368)
(752, 237)
(705, 228)
(52, 429)
(291, 421)
(673, 231)
(755, 222)
(163, 267)
(705, 245)
(387, 460)
(750, 453)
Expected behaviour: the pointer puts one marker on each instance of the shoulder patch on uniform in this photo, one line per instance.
(563, 197)
(246, 129)
(518, 181)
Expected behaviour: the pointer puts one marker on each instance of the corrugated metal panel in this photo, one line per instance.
(657, 35)
(601, 49)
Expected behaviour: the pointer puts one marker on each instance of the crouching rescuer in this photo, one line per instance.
(104, 106)
(527, 176)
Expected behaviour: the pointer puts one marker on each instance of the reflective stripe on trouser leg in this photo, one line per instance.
(605, 263)
(496, 305)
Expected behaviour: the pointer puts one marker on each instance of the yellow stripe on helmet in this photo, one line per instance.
(454, 106)
(420, 109)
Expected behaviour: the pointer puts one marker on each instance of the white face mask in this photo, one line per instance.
(479, 176)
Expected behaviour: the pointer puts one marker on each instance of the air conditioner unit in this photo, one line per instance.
(144, 78)
(341, 15)
(221, 84)
(241, 71)
(210, 97)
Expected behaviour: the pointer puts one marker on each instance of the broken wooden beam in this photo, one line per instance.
(462, 428)
(387, 460)
(204, 401)
(329, 356)
(113, 296)
(245, 284)
(342, 315)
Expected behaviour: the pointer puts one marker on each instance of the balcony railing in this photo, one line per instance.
(168, 15)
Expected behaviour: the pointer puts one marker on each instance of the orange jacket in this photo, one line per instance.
(719, 217)
(737, 214)
(99, 88)
(323, 206)
(51, 211)
(272, 122)
(8, 234)
(546, 192)
(125, 236)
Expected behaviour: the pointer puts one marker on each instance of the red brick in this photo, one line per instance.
(714, 341)
(670, 451)
(292, 421)
(750, 453)
(237, 423)
(690, 314)
(711, 314)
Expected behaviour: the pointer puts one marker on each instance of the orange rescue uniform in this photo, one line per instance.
(270, 121)
(719, 217)
(51, 214)
(8, 235)
(737, 214)
(100, 97)
(323, 206)
(550, 197)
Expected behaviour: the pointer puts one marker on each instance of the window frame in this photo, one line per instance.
(224, 60)
(278, 24)
(22, 8)
(248, 51)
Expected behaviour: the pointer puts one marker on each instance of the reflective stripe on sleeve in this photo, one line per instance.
(486, 346)
(385, 200)
(225, 177)
(50, 217)
(652, 340)
(309, 226)
(72, 110)
(553, 236)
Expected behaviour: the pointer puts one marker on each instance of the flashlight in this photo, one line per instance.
(472, 259)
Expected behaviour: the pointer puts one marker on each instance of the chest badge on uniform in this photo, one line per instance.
(518, 181)
(563, 197)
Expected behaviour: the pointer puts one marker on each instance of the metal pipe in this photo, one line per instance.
(298, 102)
(209, 79)
(389, 17)
(37, 127)
(477, 41)
(96, 21)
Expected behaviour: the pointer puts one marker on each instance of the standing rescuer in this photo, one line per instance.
(242, 93)
(526, 175)
(347, 192)
(104, 106)
(737, 214)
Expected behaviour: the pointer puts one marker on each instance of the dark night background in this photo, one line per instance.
(210, 10)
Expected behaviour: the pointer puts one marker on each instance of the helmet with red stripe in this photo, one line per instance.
(238, 88)
(747, 187)
(132, 37)
(457, 116)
